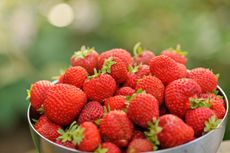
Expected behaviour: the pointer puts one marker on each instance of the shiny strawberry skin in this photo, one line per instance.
(115, 103)
(99, 88)
(177, 95)
(140, 145)
(144, 57)
(111, 148)
(219, 109)
(63, 103)
(142, 109)
(175, 56)
(125, 91)
(116, 127)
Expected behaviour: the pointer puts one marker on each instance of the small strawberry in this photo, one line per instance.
(38, 92)
(166, 69)
(99, 87)
(87, 58)
(116, 127)
(177, 95)
(205, 78)
(75, 76)
(142, 108)
(92, 111)
(47, 128)
(140, 145)
(115, 103)
(125, 91)
(138, 135)
(108, 147)
(219, 109)
(63, 103)
(153, 86)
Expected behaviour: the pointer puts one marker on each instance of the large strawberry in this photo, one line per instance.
(115, 103)
(166, 69)
(87, 58)
(99, 87)
(140, 145)
(153, 86)
(63, 103)
(92, 111)
(142, 108)
(205, 78)
(37, 93)
(47, 128)
(75, 75)
(125, 91)
(177, 95)
(117, 128)
(108, 147)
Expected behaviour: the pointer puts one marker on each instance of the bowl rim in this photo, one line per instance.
(158, 151)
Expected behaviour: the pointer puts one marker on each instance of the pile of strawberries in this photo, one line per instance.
(113, 102)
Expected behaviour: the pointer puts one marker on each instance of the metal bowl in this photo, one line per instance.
(208, 143)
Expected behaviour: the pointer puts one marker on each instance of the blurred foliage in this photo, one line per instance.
(32, 48)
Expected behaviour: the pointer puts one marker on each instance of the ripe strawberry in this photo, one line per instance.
(177, 95)
(115, 103)
(213, 97)
(99, 87)
(116, 127)
(108, 147)
(142, 71)
(63, 103)
(125, 91)
(153, 86)
(115, 67)
(201, 120)
(87, 58)
(218, 109)
(138, 135)
(142, 108)
(140, 145)
(66, 144)
(47, 128)
(37, 93)
(169, 131)
(75, 76)
(91, 112)
(205, 78)
(183, 70)
(166, 69)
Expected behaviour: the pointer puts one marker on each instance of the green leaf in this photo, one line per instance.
(100, 150)
(199, 102)
(137, 49)
(83, 52)
(211, 124)
(108, 63)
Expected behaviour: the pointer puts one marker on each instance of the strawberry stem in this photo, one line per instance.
(95, 75)
(133, 69)
(83, 52)
(211, 124)
(106, 68)
(199, 102)
(137, 49)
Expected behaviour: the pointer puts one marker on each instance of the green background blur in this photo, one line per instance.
(33, 48)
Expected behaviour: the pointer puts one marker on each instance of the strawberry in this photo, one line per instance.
(87, 58)
(115, 103)
(153, 86)
(38, 92)
(140, 145)
(138, 135)
(66, 144)
(116, 127)
(142, 71)
(63, 103)
(75, 76)
(125, 91)
(177, 95)
(166, 69)
(183, 70)
(99, 87)
(142, 108)
(202, 120)
(47, 128)
(115, 67)
(205, 78)
(213, 97)
(219, 109)
(108, 147)
(92, 111)
(169, 131)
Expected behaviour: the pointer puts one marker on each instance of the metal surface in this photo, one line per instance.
(208, 143)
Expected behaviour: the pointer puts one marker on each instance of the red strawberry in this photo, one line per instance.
(108, 147)
(138, 135)
(183, 70)
(143, 108)
(63, 103)
(169, 131)
(117, 128)
(91, 112)
(140, 145)
(99, 87)
(115, 67)
(66, 144)
(47, 128)
(142, 71)
(205, 78)
(153, 86)
(219, 109)
(115, 103)
(166, 69)
(75, 76)
(37, 93)
(213, 97)
(201, 120)
(125, 91)
(87, 58)
(177, 95)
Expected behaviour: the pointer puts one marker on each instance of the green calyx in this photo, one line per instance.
(100, 150)
(137, 49)
(129, 98)
(83, 52)
(211, 124)
(106, 68)
(199, 102)
(41, 110)
(133, 69)
(179, 51)
(95, 75)
(28, 91)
